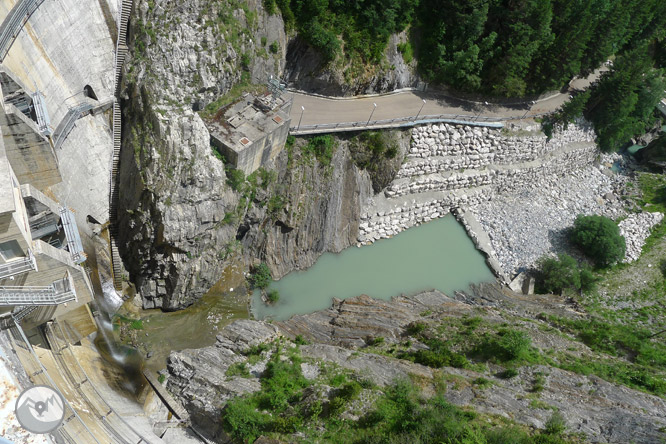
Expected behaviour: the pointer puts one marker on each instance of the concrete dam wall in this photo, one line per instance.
(62, 50)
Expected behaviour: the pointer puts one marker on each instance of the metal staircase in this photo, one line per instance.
(13, 23)
(21, 312)
(59, 292)
(121, 54)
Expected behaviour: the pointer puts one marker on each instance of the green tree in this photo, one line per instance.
(261, 276)
(622, 104)
(556, 275)
(559, 274)
(599, 238)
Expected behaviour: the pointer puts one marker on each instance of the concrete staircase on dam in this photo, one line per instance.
(121, 54)
(13, 23)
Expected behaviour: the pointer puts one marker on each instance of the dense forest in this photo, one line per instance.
(503, 47)
(506, 48)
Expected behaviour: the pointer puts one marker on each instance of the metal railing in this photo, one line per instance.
(110, 419)
(124, 12)
(13, 23)
(67, 123)
(57, 293)
(73, 430)
(399, 122)
(18, 266)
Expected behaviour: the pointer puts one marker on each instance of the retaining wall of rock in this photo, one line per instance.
(378, 225)
(493, 162)
(476, 147)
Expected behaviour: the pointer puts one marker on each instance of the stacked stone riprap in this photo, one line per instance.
(450, 166)
(525, 226)
(388, 223)
(636, 229)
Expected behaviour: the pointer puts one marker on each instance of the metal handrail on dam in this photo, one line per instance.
(113, 422)
(13, 23)
(73, 429)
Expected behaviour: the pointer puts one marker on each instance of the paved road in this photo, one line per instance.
(324, 110)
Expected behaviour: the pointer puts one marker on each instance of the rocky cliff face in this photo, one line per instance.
(305, 70)
(179, 219)
(173, 190)
(312, 209)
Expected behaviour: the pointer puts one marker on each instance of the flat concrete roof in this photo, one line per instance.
(7, 204)
(247, 120)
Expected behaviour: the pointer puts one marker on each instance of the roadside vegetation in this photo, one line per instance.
(491, 47)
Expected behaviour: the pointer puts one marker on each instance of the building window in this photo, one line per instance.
(10, 250)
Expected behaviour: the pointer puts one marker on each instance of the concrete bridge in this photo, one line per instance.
(314, 114)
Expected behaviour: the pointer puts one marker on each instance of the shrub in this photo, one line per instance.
(599, 238)
(415, 328)
(407, 52)
(374, 340)
(261, 276)
(563, 273)
(507, 345)
(321, 147)
(555, 424)
(508, 373)
(235, 178)
(243, 421)
(299, 340)
(482, 382)
(275, 47)
(438, 356)
(281, 382)
(273, 296)
(513, 344)
(238, 369)
(558, 274)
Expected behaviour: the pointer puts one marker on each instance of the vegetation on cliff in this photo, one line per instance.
(289, 403)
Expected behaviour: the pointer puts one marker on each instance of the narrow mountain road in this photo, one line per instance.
(308, 110)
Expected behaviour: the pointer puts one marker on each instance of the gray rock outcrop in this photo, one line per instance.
(306, 70)
(174, 198)
(601, 411)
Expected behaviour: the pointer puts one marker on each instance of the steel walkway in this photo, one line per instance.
(59, 292)
(18, 266)
(67, 123)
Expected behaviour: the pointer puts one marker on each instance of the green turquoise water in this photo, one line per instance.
(436, 255)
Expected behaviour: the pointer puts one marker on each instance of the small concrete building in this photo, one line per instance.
(251, 131)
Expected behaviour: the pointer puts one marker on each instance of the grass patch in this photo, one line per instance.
(238, 369)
